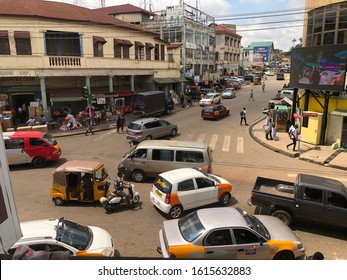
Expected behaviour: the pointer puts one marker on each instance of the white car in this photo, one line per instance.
(187, 188)
(210, 98)
(53, 235)
(229, 93)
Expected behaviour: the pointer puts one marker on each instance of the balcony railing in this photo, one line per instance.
(62, 61)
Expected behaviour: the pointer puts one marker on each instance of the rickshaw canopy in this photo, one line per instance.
(78, 166)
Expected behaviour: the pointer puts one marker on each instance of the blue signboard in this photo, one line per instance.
(261, 54)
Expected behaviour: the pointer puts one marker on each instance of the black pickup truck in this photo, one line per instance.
(310, 198)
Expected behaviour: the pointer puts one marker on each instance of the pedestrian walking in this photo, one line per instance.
(122, 121)
(263, 86)
(118, 123)
(292, 136)
(243, 116)
(251, 95)
(89, 124)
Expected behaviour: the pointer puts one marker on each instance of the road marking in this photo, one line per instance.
(239, 146)
(201, 138)
(110, 132)
(213, 141)
(226, 144)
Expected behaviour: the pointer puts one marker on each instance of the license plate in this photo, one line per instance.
(158, 193)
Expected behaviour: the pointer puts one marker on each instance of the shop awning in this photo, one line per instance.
(22, 34)
(342, 113)
(149, 46)
(99, 39)
(165, 80)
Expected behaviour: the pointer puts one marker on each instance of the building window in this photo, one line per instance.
(4, 43)
(60, 43)
(23, 43)
(330, 20)
(117, 48)
(343, 20)
(317, 40)
(156, 52)
(126, 48)
(162, 52)
(342, 37)
(329, 38)
(149, 48)
(139, 50)
(98, 45)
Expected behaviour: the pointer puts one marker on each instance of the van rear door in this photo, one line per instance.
(15, 151)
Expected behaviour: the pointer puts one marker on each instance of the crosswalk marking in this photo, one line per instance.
(213, 141)
(239, 145)
(226, 144)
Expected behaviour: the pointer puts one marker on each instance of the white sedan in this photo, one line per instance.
(210, 98)
(229, 93)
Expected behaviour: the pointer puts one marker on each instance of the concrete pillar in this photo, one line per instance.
(45, 111)
(132, 83)
(110, 83)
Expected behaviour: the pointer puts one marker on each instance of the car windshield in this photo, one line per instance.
(50, 139)
(257, 226)
(210, 95)
(190, 227)
(73, 234)
(214, 178)
(163, 185)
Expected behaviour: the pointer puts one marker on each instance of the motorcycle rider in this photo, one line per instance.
(119, 186)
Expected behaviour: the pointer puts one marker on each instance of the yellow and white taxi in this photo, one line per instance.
(187, 188)
(229, 233)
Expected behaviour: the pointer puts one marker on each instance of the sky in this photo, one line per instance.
(279, 21)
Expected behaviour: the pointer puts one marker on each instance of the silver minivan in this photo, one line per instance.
(152, 157)
(150, 128)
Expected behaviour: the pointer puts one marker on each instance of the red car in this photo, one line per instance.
(235, 85)
(214, 112)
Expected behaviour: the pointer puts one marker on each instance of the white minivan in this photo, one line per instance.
(152, 157)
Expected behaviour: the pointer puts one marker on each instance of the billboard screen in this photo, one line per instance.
(320, 68)
(261, 54)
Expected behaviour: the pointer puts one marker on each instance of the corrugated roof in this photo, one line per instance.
(123, 9)
(61, 11)
(226, 30)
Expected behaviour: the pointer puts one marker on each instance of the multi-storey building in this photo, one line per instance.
(49, 50)
(257, 54)
(228, 46)
(325, 25)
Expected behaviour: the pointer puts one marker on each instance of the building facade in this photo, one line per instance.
(257, 55)
(228, 49)
(324, 112)
(50, 50)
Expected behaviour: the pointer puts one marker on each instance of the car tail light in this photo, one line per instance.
(167, 198)
(138, 132)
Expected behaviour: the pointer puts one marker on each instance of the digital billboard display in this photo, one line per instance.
(320, 68)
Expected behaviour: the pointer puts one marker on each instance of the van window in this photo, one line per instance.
(14, 143)
(187, 185)
(37, 142)
(189, 156)
(162, 185)
(166, 155)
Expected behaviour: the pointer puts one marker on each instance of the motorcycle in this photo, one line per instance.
(112, 202)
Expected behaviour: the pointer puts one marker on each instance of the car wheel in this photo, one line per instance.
(284, 216)
(138, 176)
(39, 162)
(285, 255)
(224, 199)
(149, 137)
(58, 201)
(175, 212)
(173, 132)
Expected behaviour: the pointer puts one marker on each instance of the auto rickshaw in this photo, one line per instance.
(79, 180)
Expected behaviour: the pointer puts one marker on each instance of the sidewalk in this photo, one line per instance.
(323, 155)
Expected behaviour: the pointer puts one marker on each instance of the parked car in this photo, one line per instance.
(210, 98)
(280, 76)
(150, 128)
(229, 233)
(229, 93)
(186, 188)
(241, 79)
(52, 235)
(214, 112)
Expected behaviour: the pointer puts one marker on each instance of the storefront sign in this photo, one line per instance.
(309, 114)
